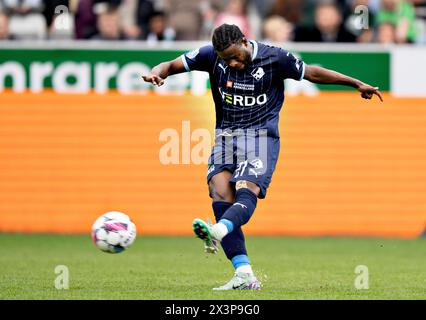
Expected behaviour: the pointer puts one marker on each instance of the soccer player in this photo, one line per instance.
(247, 82)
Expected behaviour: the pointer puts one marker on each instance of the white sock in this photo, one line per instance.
(245, 269)
(219, 231)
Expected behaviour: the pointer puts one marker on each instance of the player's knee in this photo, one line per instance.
(220, 194)
(243, 184)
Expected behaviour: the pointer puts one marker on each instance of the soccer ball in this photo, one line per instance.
(113, 232)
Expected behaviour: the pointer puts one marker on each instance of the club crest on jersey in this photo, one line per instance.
(257, 167)
(258, 73)
(257, 163)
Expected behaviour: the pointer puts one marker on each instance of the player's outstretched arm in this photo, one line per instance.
(325, 76)
(160, 72)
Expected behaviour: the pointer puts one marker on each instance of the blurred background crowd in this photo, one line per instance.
(364, 21)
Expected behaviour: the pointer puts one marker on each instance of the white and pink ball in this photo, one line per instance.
(113, 232)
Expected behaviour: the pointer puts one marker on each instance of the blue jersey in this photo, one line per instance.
(250, 98)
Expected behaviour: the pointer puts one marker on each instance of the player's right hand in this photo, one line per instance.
(154, 79)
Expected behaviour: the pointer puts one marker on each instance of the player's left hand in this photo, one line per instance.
(368, 91)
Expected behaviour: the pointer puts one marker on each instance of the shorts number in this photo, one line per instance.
(241, 168)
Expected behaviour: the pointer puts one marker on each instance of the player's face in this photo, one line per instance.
(237, 56)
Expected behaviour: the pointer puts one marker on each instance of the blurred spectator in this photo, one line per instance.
(4, 27)
(25, 18)
(50, 9)
(209, 9)
(306, 10)
(386, 33)
(184, 18)
(374, 5)
(291, 10)
(361, 24)
(159, 29)
(263, 7)
(235, 12)
(59, 19)
(401, 15)
(144, 10)
(127, 12)
(277, 29)
(328, 26)
(420, 7)
(108, 23)
(255, 17)
(84, 17)
(62, 27)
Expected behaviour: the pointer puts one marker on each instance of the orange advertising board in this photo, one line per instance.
(347, 166)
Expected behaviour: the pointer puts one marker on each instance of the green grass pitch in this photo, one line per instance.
(177, 268)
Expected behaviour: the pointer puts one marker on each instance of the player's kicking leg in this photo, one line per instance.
(227, 232)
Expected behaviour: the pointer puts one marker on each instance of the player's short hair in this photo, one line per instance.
(225, 36)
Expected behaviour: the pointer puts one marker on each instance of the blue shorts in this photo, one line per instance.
(250, 157)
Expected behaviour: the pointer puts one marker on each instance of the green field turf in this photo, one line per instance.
(176, 268)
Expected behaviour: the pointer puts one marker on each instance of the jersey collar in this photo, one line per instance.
(255, 47)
